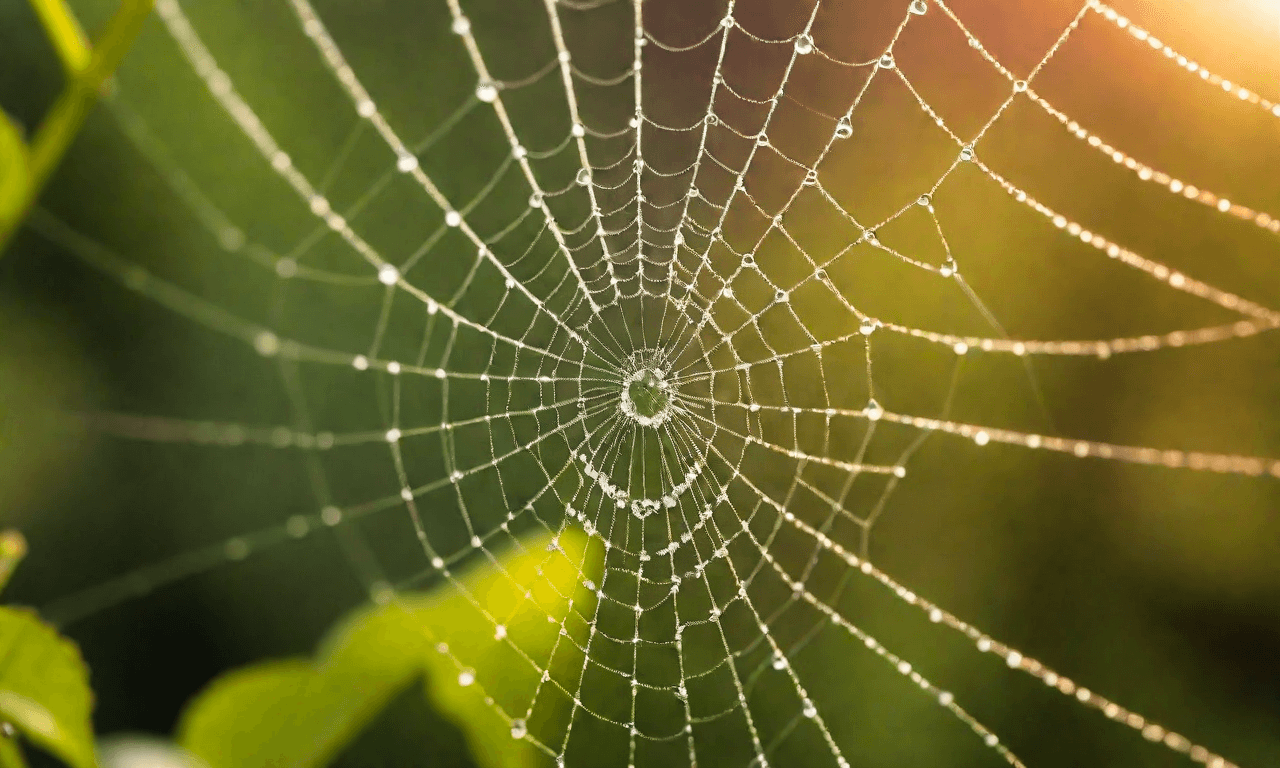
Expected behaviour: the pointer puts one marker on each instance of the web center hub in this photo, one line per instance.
(646, 397)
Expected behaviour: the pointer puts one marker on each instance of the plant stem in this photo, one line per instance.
(86, 73)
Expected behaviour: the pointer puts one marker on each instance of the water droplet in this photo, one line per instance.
(844, 128)
(461, 25)
(886, 61)
(948, 267)
(924, 201)
(466, 677)
(779, 661)
(487, 92)
(584, 177)
(811, 178)
(535, 200)
(809, 710)
(966, 154)
(804, 44)
(518, 729)
(873, 410)
(1020, 86)
(918, 7)
(266, 343)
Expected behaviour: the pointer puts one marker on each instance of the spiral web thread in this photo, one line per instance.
(667, 487)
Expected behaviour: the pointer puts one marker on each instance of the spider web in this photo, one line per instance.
(649, 321)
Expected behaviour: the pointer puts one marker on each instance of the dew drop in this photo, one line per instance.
(1020, 86)
(966, 154)
(266, 343)
(518, 729)
(918, 7)
(844, 128)
(584, 177)
(487, 92)
(466, 677)
(886, 61)
(406, 163)
(779, 661)
(804, 44)
(809, 710)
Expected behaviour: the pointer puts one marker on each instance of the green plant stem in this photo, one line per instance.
(64, 33)
(68, 113)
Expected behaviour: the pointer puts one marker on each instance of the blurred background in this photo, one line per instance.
(1159, 588)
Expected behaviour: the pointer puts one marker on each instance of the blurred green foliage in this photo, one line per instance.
(301, 713)
(44, 684)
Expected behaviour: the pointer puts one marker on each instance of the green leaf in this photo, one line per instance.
(15, 172)
(301, 712)
(44, 687)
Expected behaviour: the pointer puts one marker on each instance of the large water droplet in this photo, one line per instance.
(844, 128)
(487, 92)
(804, 44)
(518, 729)
(918, 7)
(584, 177)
